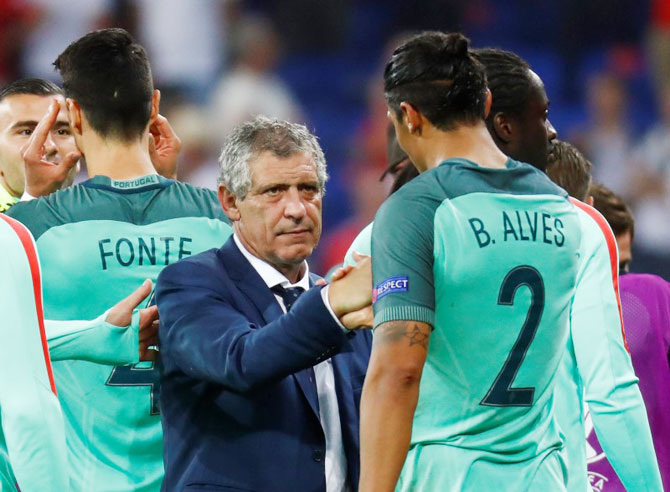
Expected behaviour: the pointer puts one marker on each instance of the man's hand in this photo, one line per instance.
(44, 177)
(363, 318)
(121, 315)
(352, 291)
(149, 333)
(341, 272)
(164, 147)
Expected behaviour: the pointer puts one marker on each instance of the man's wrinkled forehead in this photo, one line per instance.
(267, 165)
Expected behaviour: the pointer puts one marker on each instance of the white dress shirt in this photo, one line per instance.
(329, 412)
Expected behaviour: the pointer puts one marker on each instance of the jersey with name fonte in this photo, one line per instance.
(98, 241)
(488, 258)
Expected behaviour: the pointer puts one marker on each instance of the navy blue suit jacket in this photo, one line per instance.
(239, 406)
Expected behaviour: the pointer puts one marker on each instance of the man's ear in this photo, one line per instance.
(155, 105)
(412, 118)
(590, 200)
(74, 115)
(502, 127)
(228, 202)
(488, 103)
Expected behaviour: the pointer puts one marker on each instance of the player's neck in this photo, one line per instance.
(117, 159)
(473, 143)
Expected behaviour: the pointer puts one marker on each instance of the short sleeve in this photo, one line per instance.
(402, 257)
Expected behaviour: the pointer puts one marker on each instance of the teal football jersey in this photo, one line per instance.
(598, 370)
(596, 337)
(98, 241)
(33, 454)
(488, 258)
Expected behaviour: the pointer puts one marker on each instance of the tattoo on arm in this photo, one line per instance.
(418, 336)
(394, 331)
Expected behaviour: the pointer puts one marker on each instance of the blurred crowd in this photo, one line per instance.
(219, 62)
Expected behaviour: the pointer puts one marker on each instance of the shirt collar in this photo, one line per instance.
(270, 275)
(6, 199)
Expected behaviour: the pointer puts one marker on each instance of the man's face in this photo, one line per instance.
(19, 115)
(624, 242)
(280, 218)
(533, 133)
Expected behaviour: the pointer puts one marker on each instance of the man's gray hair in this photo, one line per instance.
(248, 140)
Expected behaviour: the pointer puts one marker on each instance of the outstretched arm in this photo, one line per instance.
(208, 338)
(119, 336)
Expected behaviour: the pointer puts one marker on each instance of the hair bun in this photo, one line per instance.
(456, 45)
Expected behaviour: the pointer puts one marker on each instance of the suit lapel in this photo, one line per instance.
(250, 283)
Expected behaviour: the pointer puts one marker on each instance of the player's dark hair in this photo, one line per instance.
(109, 75)
(32, 86)
(509, 80)
(614, 209)
(436, 73)
(569, 169)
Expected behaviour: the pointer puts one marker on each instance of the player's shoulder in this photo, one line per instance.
(103, 199)
(188, 200)
(16, 241)
(645, 283)
(188, 190)
(458, 177)
(42, 213)
(422, 191)
(594, 224)
(11, 230)
(9, 225)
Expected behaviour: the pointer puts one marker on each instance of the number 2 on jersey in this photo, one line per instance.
(501, 393)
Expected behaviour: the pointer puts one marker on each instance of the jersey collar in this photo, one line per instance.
(134, 185)
(509, 164)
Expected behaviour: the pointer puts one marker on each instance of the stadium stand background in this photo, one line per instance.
(327, 57)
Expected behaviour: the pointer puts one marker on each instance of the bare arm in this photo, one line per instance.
(390, 395)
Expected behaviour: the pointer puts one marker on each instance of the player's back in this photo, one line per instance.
(98, 241)
(503, 248)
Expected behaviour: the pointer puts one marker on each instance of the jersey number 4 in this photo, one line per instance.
(142, 374)
(501, 393)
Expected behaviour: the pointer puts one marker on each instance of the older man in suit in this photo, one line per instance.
(262, 369)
